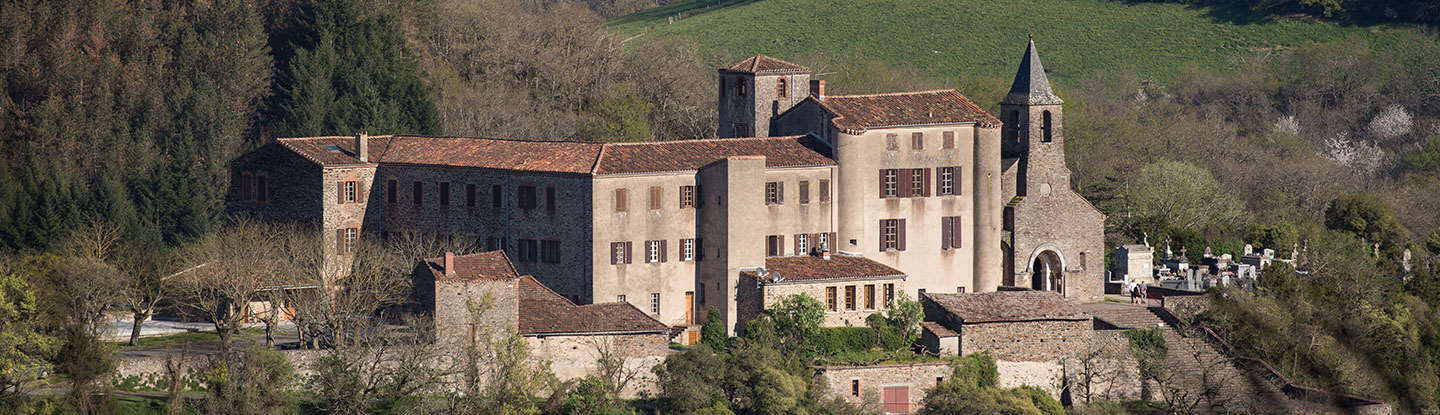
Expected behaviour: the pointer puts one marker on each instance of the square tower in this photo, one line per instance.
(756, 89)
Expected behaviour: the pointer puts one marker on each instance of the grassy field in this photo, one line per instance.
(957, 38)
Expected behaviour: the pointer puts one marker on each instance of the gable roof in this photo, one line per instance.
(543, 311)
(813, 268)
(492, 265)
(856, 113)
(561, 156)
(761, 64)
(1007, 306)
(1031, 86)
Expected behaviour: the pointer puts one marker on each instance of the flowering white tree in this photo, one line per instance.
(1288, 125)
(1360, 156)
(1391, 123)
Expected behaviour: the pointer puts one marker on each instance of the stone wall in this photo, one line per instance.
(453, 301)
(917, 377)
(1106, 371)
(294, 186)
(1026, 341)
(573, 357)
(758, 297)
(760, 103)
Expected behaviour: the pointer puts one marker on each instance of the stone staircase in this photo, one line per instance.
(1198, 374)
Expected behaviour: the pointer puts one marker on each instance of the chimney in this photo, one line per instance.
(362, 148)
(825, 254)
(817, 89)
(449, 260)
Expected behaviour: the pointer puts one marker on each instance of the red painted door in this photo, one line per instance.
(896, 399)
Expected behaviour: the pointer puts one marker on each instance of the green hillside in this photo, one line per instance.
(952, 38)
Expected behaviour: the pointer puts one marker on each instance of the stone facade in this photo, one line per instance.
(575, 356)
(757, 296)
(754, 91)
(1026, 341)
(871, 382)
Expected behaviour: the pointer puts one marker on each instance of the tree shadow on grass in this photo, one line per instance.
(1237, 14)
(684, 9)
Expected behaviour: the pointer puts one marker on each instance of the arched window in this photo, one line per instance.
(739, 87)
(782, 88)
(1013, 126)
(1045, 127)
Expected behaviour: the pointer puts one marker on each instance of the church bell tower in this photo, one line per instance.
(1034, 128)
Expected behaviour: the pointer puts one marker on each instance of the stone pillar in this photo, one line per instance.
(988, 210)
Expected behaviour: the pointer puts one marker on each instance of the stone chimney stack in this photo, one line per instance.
(362, 148)
(817, 89)
(825, 254)
(449, 262)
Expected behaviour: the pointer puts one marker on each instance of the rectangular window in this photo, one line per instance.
(620, 298)
(855, 387)
(850, 297)
(620, 200)
(950, 232)
(550, 199)
(869, 296)
(444, 194)
(947, 181)
(529, 250)
(470, 194)
(550, 252)
(244, 186)
(654, 303)
(917, 141)
(527, 197)
(949, 140)
(804, 190)
(687, 197)
(889, 234)
(497, 196)
(352, 189)
(830, 299)
(655, 196)
(687, 247)
(352, 235)
(262, 187)
(774, 193)
(822, 241)
(917, 182)
(889, 295)
(888, 183)
(774, 245)
(496, 243)
(802, 244)
(655, 251)
(392, 190)
(824, 190)
(892, 142)
(417, 193)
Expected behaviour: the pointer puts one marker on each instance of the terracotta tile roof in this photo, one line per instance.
(562, 156)
(814, 268)
(492, 265)
(542, 311)
(856, 113)
(761, 64)
(1008, 306)
(678, 155)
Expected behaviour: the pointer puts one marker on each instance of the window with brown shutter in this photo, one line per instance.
(945, 232)
(889, 179)
(830, 299)
(889, 295)
(956, 232)
(392, 191)
(527, 197)
(497, 196)
(917, 182)
(804, 189)
(470, 194)
(655, 197)
(772, 193)
(946, 183)
(904, 183)
(664, 250)
(244, 186)
(869, 296)
(900, 235)
(850, 297)
(350, 190)
(824, 190)
(917, 141)
(417, 193)
(889, 234)
(775, 245)
(892, 142)
(550, 199)
(687, 197)
(444, 193)
(620, 200)
(948, 140)
(629, 248)
(550, 251)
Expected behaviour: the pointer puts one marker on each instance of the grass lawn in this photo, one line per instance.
(961, 38)
(181, 338)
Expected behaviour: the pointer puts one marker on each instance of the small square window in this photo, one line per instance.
(917, 141)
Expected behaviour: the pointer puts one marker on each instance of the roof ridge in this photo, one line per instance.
(696, 140)
(516, 140)
(890, 94)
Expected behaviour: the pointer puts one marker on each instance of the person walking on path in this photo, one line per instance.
(1134, 291)
(1144, 298)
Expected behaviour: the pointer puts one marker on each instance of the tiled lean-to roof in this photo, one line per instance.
(562, 156)
(814, 268)
(1008, 306)
(543, 311)
(492, 265)
(856, 113)
(761, 64)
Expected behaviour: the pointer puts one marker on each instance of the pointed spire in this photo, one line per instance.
(1030, 86)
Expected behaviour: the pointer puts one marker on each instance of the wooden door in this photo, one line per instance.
(896, 399)
(690, 307)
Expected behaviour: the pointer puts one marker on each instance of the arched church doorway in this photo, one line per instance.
(1045, 272)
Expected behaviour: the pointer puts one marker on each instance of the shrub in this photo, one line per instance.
(1042, 400)
(978, 370)
(838, 340)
